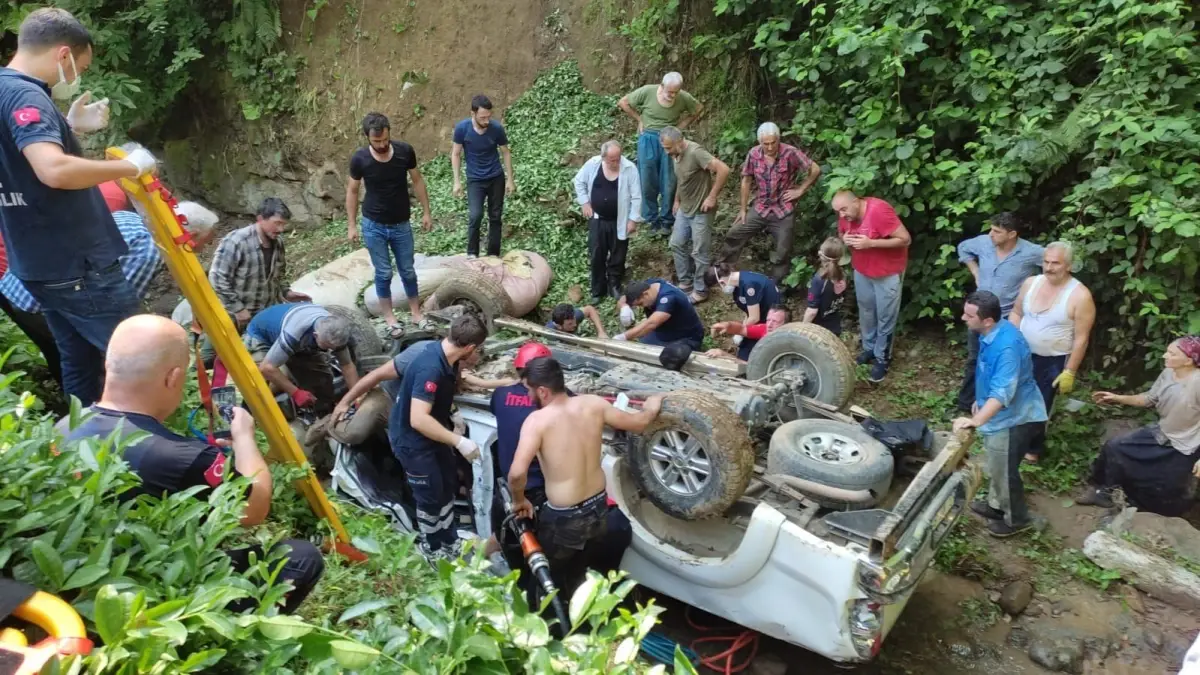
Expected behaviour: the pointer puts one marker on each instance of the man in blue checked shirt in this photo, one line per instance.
(139, 264)
(1008, 412)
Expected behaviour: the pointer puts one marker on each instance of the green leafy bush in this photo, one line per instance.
(1080, 115)
(150, 579)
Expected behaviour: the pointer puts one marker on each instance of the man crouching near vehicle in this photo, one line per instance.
(146, 367)
(564, 435)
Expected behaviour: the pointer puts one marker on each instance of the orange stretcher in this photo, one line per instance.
(157, 205)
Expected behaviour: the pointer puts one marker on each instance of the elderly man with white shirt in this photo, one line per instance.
(1055, 313)
(609, 191)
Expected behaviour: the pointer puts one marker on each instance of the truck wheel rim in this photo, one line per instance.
(468, 305)
(795, 362)
(679, 462)
(832, 448)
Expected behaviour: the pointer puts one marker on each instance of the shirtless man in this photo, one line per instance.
(564, 434)
(1055, 313)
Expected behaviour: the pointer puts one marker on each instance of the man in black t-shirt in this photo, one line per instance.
(385, 166)
(147, 366)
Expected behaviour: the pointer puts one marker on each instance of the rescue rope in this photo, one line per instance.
(738, 641)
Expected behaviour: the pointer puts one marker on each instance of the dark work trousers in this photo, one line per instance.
(1045, 369)
(491, 190)
(38, 331)
(1154, 476)
(573, 540)
(966, 393)
(433, 478)
(607, 255)
(82, 313)
(780, 229)
(303, 566)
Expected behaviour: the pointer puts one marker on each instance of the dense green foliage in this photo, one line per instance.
(150, 55)
(1079, 115)
(150, 579)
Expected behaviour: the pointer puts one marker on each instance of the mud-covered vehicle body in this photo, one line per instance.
(754, 496)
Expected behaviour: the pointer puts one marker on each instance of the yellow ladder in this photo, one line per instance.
(175, 244)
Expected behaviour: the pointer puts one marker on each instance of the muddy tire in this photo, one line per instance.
(477, 292)
(696, 459)
(831, 453)
(812, 350)
(366, 340)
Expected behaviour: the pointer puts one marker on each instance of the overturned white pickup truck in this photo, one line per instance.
(753, 496)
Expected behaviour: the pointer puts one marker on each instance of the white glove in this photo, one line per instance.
(620, 337)
(467, 448)
(85, 117)
(737, 340)
(626, 316)
(142, 160)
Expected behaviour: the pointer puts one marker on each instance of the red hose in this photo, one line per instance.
(739, 639)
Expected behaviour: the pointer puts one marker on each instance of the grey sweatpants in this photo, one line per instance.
(878, 309)
(1003, 451)
(691, 244)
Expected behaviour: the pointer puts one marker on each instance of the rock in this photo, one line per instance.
(961, 650)
(1132, 599)
(1150, 573)
(1063, 655)
(1096, 648)
(994, 596)
(1035, 610)
(1018, 637)
(1015, 597)
(1059, 607)
(1155, 531)
(768, 664)
(1175, 649)
(1153, 639)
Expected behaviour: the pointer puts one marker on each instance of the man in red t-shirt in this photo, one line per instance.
(878, 244)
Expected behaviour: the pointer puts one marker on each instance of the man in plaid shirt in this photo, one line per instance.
(771, 168)
(248, 268)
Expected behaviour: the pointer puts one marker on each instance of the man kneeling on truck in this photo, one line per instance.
(298, 335)
(565, 435)
(146, 367)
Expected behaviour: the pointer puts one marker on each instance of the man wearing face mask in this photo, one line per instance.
(61, 239)
(753, 293)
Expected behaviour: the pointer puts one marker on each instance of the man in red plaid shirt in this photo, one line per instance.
(771, 169)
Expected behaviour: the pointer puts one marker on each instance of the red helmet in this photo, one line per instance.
(530, 351)
(114, 196)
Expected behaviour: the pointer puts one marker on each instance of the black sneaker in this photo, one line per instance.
(1002, 530)
(616, 293)
(864, 358)
(878, 372)
(1093, 496)
(597, 299)
(984, 509)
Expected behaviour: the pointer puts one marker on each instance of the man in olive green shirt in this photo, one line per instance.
(700, 177)
(656, 106)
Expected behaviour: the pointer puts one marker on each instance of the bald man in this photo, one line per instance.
(147, 366)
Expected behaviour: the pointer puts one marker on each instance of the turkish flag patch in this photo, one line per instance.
(216, 473)
(26, 116)
(430, 387)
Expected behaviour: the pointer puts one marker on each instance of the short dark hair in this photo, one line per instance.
(545, 371)
(468, 329)
(635, 289)
(274, 206)
(563, 312)
(374, 124)
(480, 101)
(986, 303)
(713, 273)
(1009, 221)
(50, 27)
(781, 308)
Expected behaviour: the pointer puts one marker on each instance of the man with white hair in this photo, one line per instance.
(139, 265)
(608, 190)
(771, 169)
(655, 107)
(1055, 313)
(299, 336)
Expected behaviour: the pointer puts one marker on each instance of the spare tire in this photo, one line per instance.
(811, 350)
(366, 340)
(696, 459)
(477, 293)
(835, 454)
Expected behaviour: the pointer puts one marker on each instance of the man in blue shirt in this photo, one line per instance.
(484, 140)
(671, 317)
(753, 293)
(420, 430)
(1008, 412)
(1000, 261)
(62, 242)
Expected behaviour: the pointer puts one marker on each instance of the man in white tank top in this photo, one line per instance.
(1055, 313)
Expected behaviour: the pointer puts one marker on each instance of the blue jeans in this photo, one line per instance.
(82, 314)
(878, 310)
(398, 239)
(657, 173)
